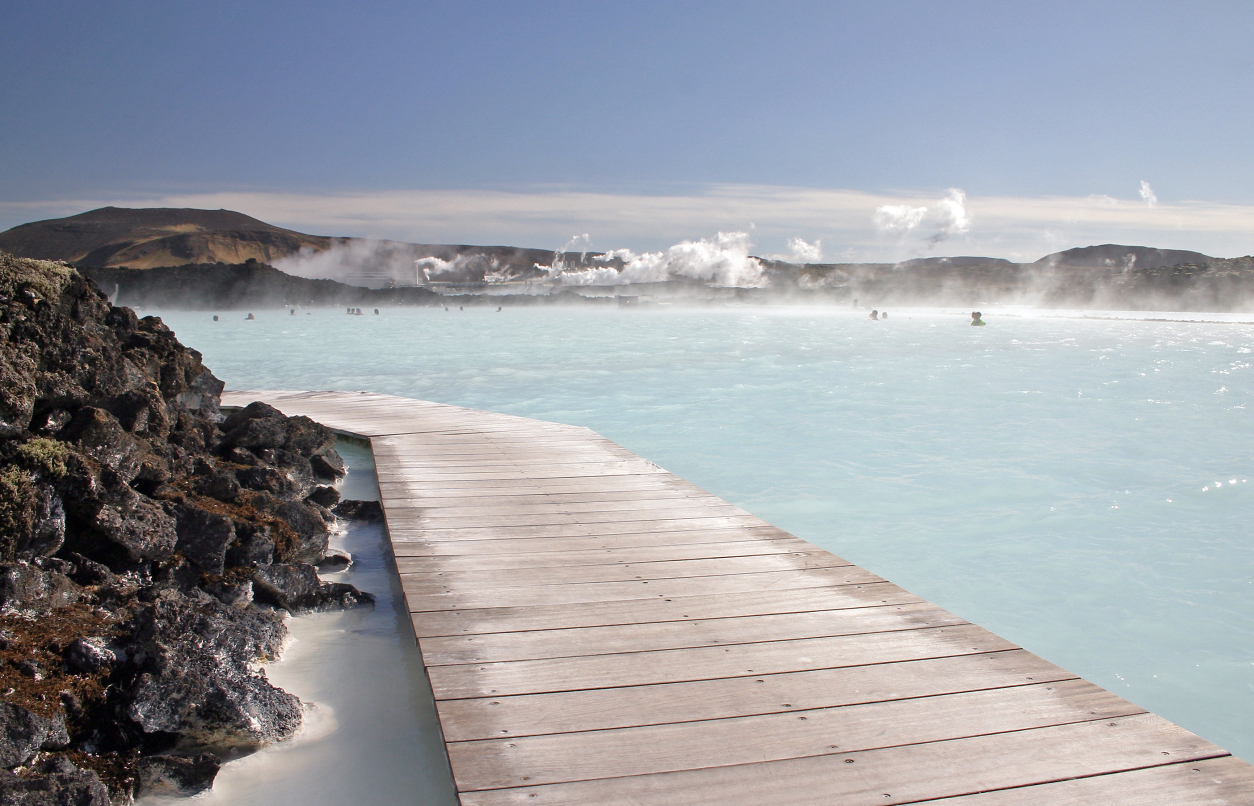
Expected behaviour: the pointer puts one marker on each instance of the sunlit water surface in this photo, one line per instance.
(1077, 486)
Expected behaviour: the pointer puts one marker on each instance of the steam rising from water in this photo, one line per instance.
(346, 258)
(722, 261)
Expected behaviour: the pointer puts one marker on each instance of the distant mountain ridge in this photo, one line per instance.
(193, 258)
(146, 238)
(1111, 255)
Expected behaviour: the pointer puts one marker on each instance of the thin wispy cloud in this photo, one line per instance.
(1147, 194)
(857, 225)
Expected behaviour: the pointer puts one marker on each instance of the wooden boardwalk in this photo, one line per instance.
(599, 631)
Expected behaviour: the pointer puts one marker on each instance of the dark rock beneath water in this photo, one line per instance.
(295, 587)
(176, 775)
(335, 560)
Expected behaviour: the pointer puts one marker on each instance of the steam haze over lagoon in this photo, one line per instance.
(1078, 483)
(1021, 129)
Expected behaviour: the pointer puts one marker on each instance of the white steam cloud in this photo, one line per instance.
(898, 219)
(721, 261)
(948, 216)
(951, 215)
(801, 251)
(352, 260)
(1147, 194)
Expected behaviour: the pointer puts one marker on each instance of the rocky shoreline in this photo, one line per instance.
(148, 546)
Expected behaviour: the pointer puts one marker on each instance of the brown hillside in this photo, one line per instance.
(147, 238)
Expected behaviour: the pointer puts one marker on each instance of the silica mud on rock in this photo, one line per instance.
(148, 549)
(370, 737)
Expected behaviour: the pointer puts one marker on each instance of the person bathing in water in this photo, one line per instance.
(875, 315)
(976, 321)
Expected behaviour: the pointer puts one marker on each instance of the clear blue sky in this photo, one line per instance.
(118, 100)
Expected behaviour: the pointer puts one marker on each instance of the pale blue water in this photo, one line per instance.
(370, 736)
(1066, 483)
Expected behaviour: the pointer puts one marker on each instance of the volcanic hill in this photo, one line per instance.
(161, 236)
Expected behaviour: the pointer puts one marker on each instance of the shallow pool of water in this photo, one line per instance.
(1078, 486)
(370, 736)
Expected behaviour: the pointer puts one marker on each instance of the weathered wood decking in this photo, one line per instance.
(599, 631)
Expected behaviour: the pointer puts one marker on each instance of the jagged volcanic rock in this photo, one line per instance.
(136, 526)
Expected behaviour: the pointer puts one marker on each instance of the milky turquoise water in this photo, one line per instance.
(1077, 486)
(370, 735)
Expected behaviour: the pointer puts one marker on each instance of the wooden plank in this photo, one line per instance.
(708, 663)
(467, 621)
(411, 540)
(1223, 781)
(473, 557)
(586, 755)
(473, 495)
(892, 775)
(619, 638)
(659, 704)
(426, 594)
(667, 504)
(600, 528)
(659, 569)
(552, 518)
(547, 470)
(597, 630)
(592, 484)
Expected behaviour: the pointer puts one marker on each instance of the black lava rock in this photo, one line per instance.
(295, 587)
(203, 538)
(27, 588)
(176, 775)
(136, 526)
(195, 677)
(353, 510)
(326, 497)
(24, 733)
(328, 465)
(58, 783)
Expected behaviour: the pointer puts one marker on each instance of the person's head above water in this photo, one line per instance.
(975, 318)
(875, 314)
